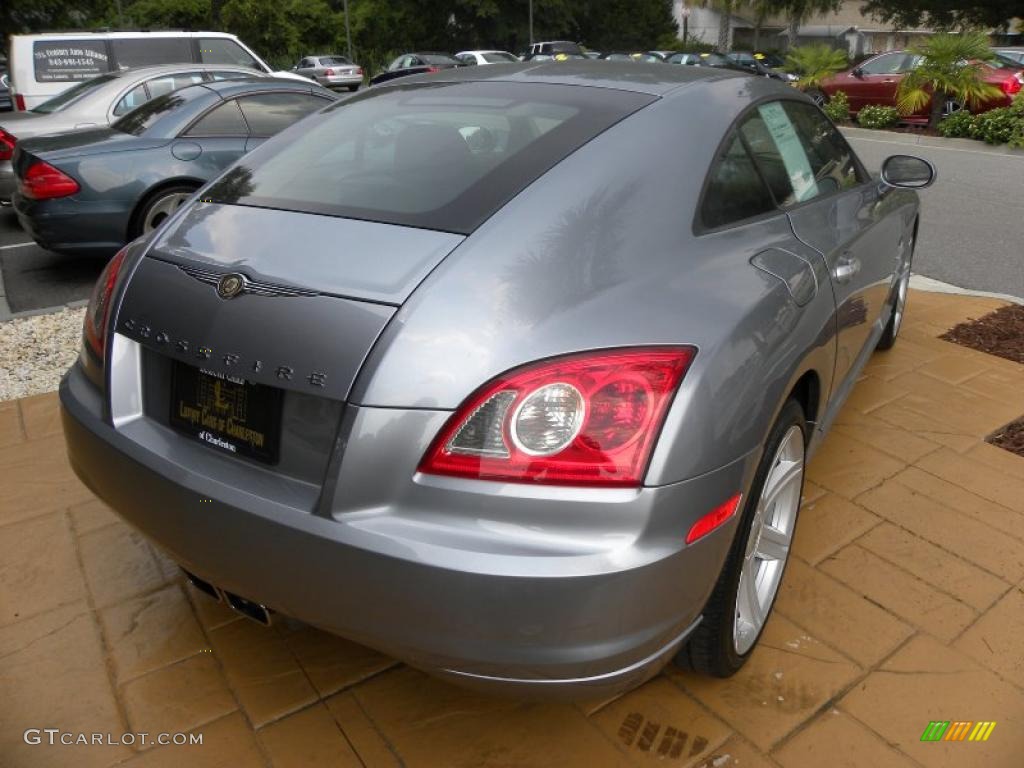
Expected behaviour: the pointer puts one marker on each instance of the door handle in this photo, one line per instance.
(846, 268)
(889, 80)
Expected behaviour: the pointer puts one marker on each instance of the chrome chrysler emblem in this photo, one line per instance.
(230, 285)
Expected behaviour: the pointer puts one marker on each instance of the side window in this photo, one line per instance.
(735, 190)
(221, 50)
(225, 120)
(268, 113)
(833, 163)
(227, 74)
(134, 98)
(467, 59)
(158, 86)
(889, 64)
(149, 51)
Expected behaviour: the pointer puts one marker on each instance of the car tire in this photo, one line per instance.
(157, 206)
(353, 88)
(899, 305)
(731, 624)
(818, 97)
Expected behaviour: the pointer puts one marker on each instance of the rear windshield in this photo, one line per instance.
(436, 58)
(440, 156)
(333, 61)
(141, 119)
(498, 58)
(65, 98)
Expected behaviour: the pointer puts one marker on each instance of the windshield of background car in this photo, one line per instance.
(140, 120)
(498, 58)
(1003, 62)
(770, 60)
(333, 61)
(437, 58)
(714, 60)
(443, 156)
(64, 99)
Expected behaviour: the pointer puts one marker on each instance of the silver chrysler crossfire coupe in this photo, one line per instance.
(509, 372)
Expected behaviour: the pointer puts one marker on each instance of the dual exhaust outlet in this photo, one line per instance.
(251, 610)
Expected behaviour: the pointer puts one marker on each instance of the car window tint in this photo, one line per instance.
(889, 64)
(220, 50)
(229, 75)
(158, 86)
(334, 61)
(268, 113)
(142, 119)
(499, 58)
(148, 51)
(136, 97)
(65, 98)
(833, 163)
(735, 191)
(441, 156)
(224, 120)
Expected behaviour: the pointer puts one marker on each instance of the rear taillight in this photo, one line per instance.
(589, 419)
(433, 69)
(1010, 86)
(19, 102)
(329, 72)
(7, 142)
(44, 182)
(359, 71)
(98, 311)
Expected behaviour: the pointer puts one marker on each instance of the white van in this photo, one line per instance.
(41, 66)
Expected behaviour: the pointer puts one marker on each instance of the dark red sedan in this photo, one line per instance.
(874, 82)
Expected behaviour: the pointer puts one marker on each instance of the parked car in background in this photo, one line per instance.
(565, 49)
(645, 57)
(763, 65)
(502, 409)
(93, 191)
(42, 66)
(98, 102)
(6, 104)
(876, 80)
(1016, 54)
(416, 64)
(471, 58)
(331, 71)
(707, 59)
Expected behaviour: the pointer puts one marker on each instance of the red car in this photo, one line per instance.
(875, 81)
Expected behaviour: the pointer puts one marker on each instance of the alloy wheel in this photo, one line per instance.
(769, 540)
(161, 208)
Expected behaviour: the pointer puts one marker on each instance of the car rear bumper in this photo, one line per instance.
(340, 81)
(74, 226)
(529, 622)
(8, 181)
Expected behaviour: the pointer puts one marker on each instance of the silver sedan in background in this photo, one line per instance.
(331, 71)
(489, 370)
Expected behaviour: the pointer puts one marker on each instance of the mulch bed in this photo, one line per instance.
(999, 333)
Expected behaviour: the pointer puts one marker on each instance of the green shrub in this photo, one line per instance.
(838, 108)
(874, 116)
(957, 125)
(997, 126)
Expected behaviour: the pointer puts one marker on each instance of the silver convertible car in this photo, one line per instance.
(510, 372)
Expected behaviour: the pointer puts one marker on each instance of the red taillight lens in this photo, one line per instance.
(7, 142)
(589, 419)
(98, 311)
(43, 182)
(433, 69)
(1010, 86)
(19, 102)
(359, 71)
(329, 73)
(716, 518)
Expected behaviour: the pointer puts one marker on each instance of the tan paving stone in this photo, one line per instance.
(999, 459)
(959, 408)
(118, 564)
(870, 393)
(330, 662)
(899, 592)
(839, 616)
(1007, 386)
(997, 639)
(928, 426)
(150, 632)
(927, 681)
(11, 431)
(41, 416)
(789, 676)
(170, 570)
(908, 356)
(836, 740)
(178, 698)
(936, 566)
(360, 731)
(956, 497)
(308, 739)
(898, 443)
(828, 524)
(736, 753)
(38, 568)
(55, 677)
(949, 529)
(977, 477)
(227, 743)
(952, 368)
(658, 723)
(849, 467)
(91, 515)
(812, 492)
(37, 479)
(262, 671)
(429, 722)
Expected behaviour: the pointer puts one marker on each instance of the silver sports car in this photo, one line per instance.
(510, 372)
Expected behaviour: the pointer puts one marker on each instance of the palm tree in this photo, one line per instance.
(949, 69)
(815, 63)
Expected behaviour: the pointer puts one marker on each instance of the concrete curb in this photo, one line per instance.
(933, 142)
(922, 283)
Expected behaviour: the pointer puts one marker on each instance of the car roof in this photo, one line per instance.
(182, 66)
(227, 88)
(652, 79)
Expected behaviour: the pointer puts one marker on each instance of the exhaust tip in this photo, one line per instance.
(202, 585)
(255, 611)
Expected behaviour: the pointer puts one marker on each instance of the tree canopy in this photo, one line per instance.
(945, 14)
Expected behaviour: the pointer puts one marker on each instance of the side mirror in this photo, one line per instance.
(907, 172)
(857, 72)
